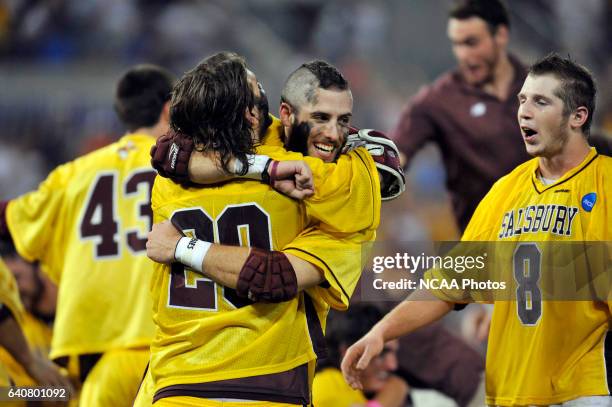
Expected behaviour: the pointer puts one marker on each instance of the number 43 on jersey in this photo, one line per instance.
(100, 220)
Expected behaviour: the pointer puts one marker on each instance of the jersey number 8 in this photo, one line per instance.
(527, 264)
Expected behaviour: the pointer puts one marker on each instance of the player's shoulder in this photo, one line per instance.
(165, 192)
(275, 133)
(278, 153)
(165, 186)
(129, 144)
(118, 154)
(605, 163)
(602, 170)
(95, 157)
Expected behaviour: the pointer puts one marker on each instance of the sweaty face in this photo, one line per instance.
(320, 128)
(477, 51)
(543, 125)
(376, 374)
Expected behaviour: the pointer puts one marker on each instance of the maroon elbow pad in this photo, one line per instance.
(267, 276)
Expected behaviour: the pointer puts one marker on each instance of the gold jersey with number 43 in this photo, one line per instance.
(87, 225)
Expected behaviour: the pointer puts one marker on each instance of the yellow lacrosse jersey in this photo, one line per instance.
(87, 225)
(343, 216)
(9, 298)
(205, 333)
(546, 352)
(38, 336)
(9, 293)
(329, 389)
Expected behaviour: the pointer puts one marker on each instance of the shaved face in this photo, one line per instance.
(543, 124)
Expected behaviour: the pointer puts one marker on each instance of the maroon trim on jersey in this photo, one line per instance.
(286, 387)
(323, 284)
(314, 328)
(562, 182)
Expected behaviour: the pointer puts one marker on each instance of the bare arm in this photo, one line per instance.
(204, 169)
(12, 339)
(174, 157)
(292, 178)
(420, 308)
(222, 263)
(38, 367)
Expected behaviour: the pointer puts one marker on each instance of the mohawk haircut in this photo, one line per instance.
(577, 85)
(302, 84)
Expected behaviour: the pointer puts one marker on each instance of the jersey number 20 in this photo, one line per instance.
(237, 225)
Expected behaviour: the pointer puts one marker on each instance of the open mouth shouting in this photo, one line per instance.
(528, 133)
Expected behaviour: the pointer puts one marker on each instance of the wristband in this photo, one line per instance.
(257, 165)
(273, 169)
(265, 175)
(191, 252)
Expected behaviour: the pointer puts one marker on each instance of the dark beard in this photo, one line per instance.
(264, 111)
(297, 139)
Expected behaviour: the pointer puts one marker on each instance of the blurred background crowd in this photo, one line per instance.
(59, 60)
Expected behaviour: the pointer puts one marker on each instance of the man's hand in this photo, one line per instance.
(291, 178)
(359, 355)
(161, 242)
(45, 372)
(476, 324)
(172, 153)
(170, 156)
